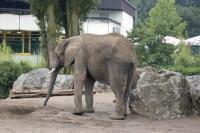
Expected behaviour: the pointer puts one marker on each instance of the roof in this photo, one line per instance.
(15, 6)
(171, 40)
(118, 5)
(193, 40)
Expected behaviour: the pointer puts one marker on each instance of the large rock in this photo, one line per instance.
(39, 80)
(194, 84)
(100, 87)
(161, 96)
(63, 82)
(31, 81)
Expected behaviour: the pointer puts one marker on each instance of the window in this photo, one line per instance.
(116, 29)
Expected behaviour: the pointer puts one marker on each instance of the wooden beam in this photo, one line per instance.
(19, 95)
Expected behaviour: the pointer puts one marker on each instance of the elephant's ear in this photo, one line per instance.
(68, 49)
(71, 50)
(61, 47)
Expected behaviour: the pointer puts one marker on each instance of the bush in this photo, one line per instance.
(183, 56)
(187, 70)
(185, 62)
(154, 53)
(5, 52)
(25, 66)
(9, 71)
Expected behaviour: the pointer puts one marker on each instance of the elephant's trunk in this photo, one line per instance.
(54, 73)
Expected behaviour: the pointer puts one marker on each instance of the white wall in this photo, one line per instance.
(106, 26)
(127, 23)
(98, 26)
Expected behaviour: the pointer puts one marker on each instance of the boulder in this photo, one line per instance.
(63, 82)
(100, 87)
(161, 96)
(31, 81)
(37, 81)
(194, 84)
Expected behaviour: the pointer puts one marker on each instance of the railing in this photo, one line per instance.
(33, 59)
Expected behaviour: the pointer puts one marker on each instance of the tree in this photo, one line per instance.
(189, 10)
(59, 14)
(38, 8)
(143, 7)
(71, 13)
(163, 20)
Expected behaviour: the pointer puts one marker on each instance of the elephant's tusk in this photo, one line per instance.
(52, 70)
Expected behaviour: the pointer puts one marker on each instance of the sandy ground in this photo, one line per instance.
(29, 116)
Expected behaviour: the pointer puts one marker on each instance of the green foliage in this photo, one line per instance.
(155, 53)
(189, 10)
(5, 52)
(25, 67)
(183, 56)
(185, 62)
(143, 7)
(191, 14)
(191, 70)
(163, 20)
(9, 71)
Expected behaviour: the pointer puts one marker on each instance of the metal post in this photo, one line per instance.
(29, 42)
(4, 36)
(23, 41)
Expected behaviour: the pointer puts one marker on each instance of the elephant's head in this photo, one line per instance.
(65, 54)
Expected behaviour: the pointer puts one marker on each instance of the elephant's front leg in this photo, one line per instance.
(89, 84)
(79, 81)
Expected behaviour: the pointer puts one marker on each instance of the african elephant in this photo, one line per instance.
(105, 58)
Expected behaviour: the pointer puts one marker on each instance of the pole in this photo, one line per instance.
(4, 36)
(29, 42)
(23, 42)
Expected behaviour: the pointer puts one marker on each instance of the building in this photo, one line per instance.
(19, 28)
(194, 43)
(111, 16)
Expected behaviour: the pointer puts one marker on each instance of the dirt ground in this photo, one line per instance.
(29, 116)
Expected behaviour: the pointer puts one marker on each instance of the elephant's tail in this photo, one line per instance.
(131, 72)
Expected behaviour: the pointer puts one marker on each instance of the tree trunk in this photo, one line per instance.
(51, 36)
(72, 18)
(43, 46)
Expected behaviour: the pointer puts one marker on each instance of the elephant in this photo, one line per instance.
(108, 58)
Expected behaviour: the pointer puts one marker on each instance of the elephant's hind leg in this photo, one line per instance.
(118, 81)
(89, 84)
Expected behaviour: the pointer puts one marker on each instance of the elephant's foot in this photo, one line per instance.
(117, 116)
(89, 110)
(78, 112)
(125, 115)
